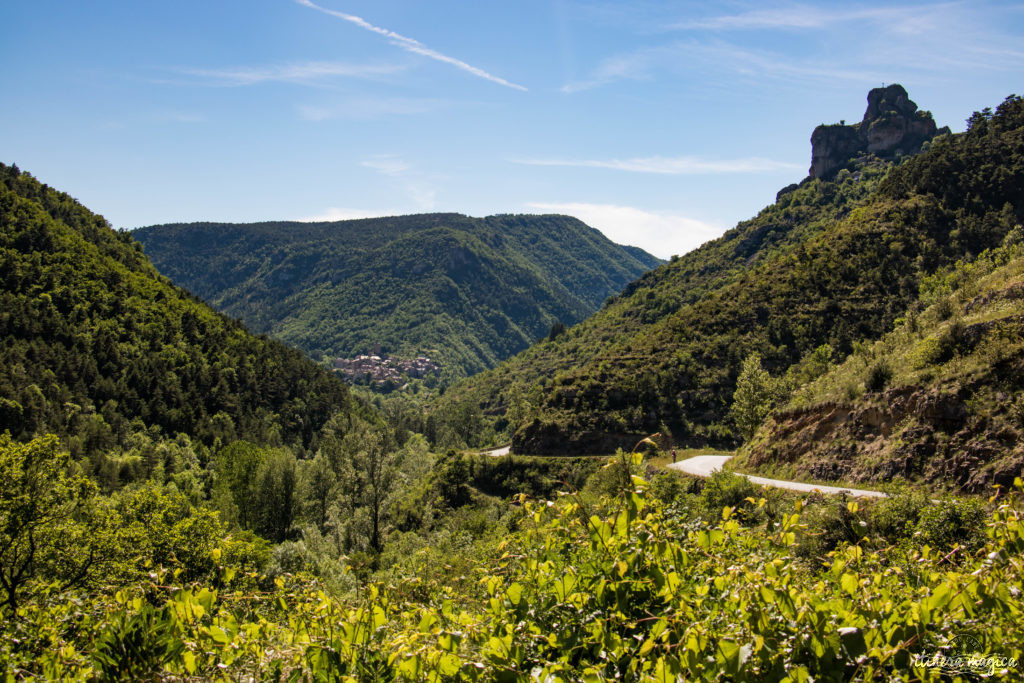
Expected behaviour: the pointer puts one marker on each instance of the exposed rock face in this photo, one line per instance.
(912, 433)
(892, 126)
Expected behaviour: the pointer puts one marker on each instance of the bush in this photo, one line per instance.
(669, 487)
(829, 524)
(616, 477)
(952, 522)
(725, 489)
(138, 646)
(896, 517)
(943, 308)
(879, 375)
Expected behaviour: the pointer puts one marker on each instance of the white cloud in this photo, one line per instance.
(661, 233)
(672, 165)
(305, 72)
(412, 45)
(338, 214)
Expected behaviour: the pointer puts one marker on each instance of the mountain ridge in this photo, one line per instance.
(474, 290)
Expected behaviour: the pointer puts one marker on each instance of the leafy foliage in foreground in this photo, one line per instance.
(829, 263)
(97, 347)
(630, 589)
(467, 291)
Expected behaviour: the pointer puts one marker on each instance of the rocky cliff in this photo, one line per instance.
(892, 126)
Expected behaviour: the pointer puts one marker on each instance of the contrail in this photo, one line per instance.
(412, 45)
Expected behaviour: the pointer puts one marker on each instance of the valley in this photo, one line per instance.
(190, 491)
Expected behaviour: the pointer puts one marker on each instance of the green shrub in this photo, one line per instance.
(670, 487)
(943, 308)
(896, 517)
(828, 525)
(725, 489)
(952, 522)
(138, 646)
(614, 478)
(879, 375)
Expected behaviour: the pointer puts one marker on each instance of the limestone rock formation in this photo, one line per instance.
(893, 126)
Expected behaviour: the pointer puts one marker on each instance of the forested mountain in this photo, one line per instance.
(831, 262)
(97, 346)
(469, 292)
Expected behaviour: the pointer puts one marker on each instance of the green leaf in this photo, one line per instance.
(514, 593)
(449, 664)
(850, 583)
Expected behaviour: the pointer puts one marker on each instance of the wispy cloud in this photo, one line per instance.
(417, 186)
(720, 56)
(855, 44)
(661, 233)
(412, 45)
(800, 16)
(305, 72)
(672, 165)
(370, 108)
(389, 166)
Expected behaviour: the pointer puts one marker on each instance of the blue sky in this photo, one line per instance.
(660, 123)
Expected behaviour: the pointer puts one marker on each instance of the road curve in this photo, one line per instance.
(704, 465)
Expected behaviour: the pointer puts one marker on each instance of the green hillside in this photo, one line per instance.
(831, 262)
(98, 347)
(467, 291)
(939, 400)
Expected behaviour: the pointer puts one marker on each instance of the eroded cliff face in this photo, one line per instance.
(892, 126)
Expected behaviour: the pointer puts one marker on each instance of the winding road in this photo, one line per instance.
(705, 465)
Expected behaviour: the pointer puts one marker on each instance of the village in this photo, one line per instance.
(383, 370)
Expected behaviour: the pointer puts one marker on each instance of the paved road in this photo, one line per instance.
(704, 465)
(498, 452)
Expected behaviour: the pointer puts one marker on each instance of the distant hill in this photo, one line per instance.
(833, 261)
(939, 399)
(97, 347)
(469, 292)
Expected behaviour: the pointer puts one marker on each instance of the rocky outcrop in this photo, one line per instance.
(892, 126)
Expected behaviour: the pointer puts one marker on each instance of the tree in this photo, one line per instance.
(375, 467)
(45, 520)
(755, 396)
